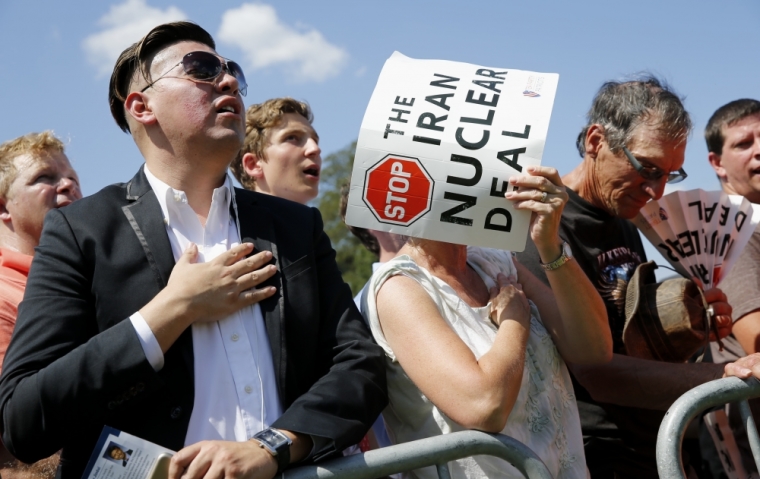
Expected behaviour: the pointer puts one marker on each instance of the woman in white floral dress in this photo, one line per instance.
(475, 341)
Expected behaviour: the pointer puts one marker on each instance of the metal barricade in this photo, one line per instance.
(686, 408)
(433, 451)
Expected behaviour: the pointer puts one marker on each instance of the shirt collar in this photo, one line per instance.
(16, 261)
(166, 195)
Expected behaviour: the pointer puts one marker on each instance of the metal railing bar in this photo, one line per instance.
(443, 471)
(686, 408)
(426, 452)
(751, 427)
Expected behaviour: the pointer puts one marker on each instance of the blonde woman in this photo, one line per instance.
(474, 341)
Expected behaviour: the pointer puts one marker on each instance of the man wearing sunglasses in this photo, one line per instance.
(632, 145)
(209, 320)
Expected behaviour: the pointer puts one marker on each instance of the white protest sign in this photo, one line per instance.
(438, 143)
(700, 233)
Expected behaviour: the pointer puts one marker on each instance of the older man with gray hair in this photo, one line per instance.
(632, 145)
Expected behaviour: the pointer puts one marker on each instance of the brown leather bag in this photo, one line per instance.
(665, 321)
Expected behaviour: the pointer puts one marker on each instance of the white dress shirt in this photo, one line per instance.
(235, 389)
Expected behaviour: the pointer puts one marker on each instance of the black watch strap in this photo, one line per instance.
(283, 458)
(277, 444)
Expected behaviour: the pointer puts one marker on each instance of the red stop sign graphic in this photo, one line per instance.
(398, 190)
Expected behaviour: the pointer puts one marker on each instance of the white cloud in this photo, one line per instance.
(265, 41)
(123, 25)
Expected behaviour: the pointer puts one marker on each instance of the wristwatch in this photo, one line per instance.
(277, 444)
(566, 255)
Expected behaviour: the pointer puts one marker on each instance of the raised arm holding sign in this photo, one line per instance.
(473, 339)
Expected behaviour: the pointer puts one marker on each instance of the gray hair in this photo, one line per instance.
(622, 106)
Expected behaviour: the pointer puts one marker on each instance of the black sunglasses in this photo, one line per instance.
(206, 67)
(652, 172)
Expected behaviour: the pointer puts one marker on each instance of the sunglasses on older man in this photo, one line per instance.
(652, 172)
(206, 67)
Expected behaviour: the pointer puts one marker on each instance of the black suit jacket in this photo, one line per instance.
(75, 362)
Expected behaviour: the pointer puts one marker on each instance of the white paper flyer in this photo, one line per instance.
(118, 455)
(700, 233)
(437, 145)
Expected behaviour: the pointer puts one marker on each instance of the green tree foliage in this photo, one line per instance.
(354, 260)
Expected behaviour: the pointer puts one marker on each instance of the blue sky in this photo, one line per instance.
(330, 53)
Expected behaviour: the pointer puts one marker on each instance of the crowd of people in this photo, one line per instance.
(213, 320)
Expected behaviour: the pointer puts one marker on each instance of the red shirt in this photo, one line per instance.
(14, 270)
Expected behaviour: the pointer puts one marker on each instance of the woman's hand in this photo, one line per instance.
(541, 191)
(508, 301)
